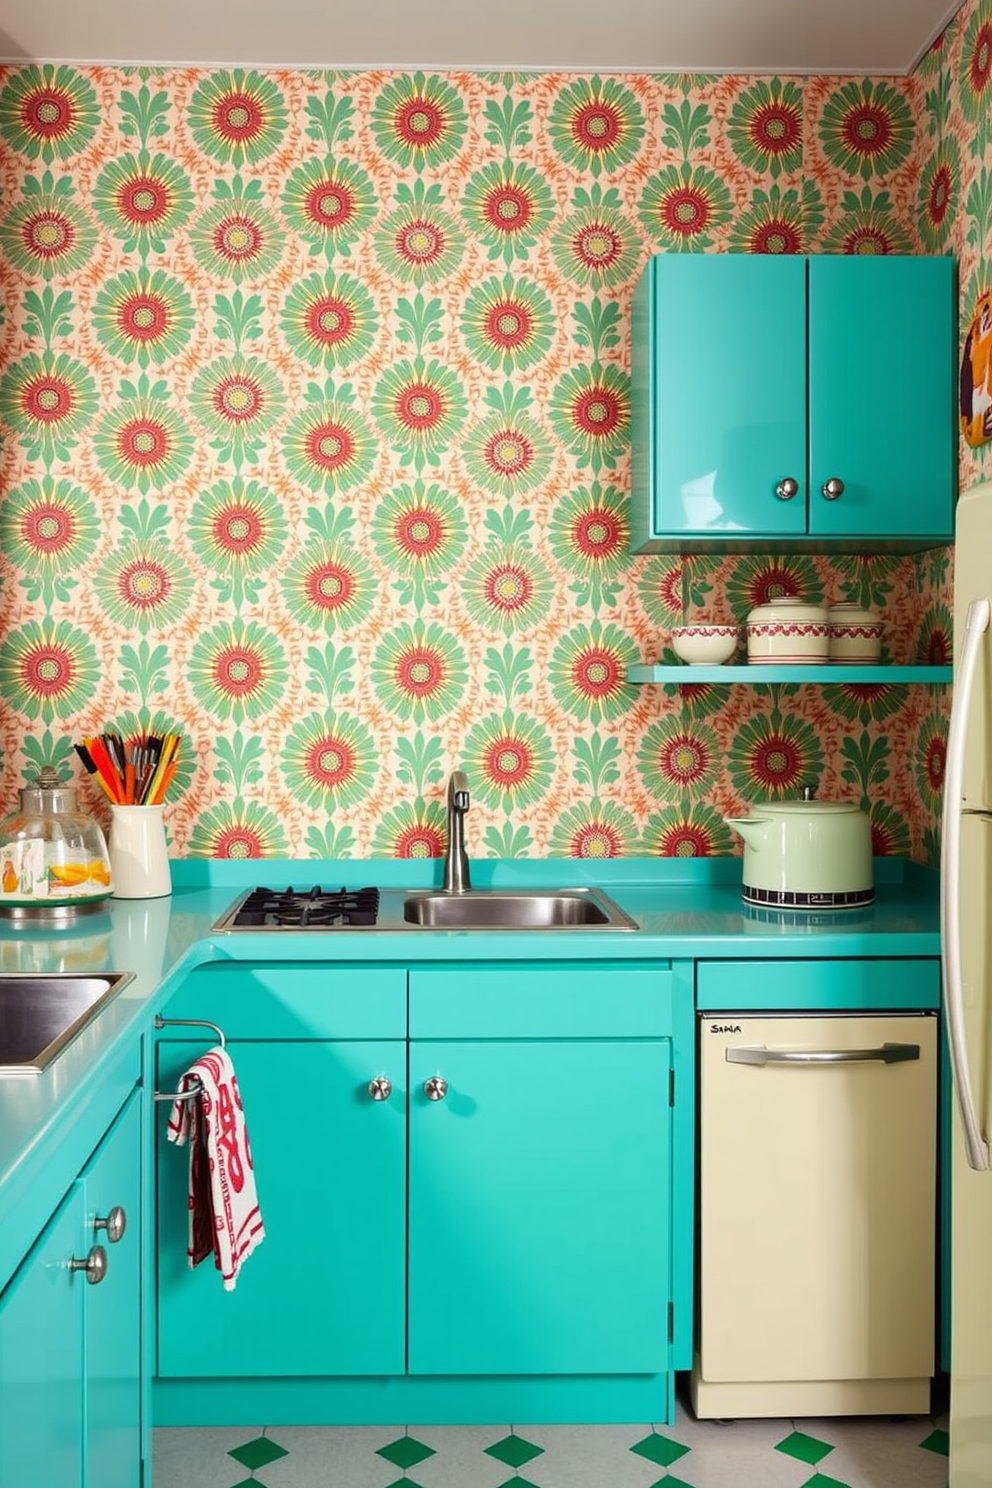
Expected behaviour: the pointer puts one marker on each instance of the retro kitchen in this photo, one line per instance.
(495, 774)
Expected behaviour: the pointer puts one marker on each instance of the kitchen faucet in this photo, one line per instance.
(456, 873)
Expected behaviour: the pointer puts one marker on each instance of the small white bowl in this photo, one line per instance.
(705, 645)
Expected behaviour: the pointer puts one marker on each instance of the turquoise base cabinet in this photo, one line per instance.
(787, 403)
(70, 1351)
(493, 1239)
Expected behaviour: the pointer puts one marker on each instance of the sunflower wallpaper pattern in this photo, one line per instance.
(314, 409)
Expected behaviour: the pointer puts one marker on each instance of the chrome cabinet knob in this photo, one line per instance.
(95, 1265)
(115, 1224)
(436, 1088)
(380, 1089)
(832, 489)
(786, 489)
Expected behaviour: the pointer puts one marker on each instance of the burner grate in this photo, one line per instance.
(307, 909)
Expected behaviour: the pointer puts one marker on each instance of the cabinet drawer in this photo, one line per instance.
(827, 984)
(293, 1002)
(520, 1001)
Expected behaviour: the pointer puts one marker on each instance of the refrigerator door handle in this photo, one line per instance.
(976, 626)
(884, 1054)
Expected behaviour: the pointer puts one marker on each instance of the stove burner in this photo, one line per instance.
(307, 909)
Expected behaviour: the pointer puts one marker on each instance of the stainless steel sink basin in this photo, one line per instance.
(41, 1014)
(561, 909)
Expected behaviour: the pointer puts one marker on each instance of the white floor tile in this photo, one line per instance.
(197, 1457)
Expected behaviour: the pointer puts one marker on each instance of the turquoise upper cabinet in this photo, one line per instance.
(785, 402)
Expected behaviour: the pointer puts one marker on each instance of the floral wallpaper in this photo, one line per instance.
(314, 408)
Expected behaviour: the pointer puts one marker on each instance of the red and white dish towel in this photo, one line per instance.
(224, 1216)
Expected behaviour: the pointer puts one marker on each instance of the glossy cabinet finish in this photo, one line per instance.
(70, 1363)
(537, 1108)
(324, 1292)
(792, 402)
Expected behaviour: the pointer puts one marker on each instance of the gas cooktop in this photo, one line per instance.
(301, 909)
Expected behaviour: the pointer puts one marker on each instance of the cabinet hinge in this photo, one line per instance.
(671, 1087)
(671, 1322)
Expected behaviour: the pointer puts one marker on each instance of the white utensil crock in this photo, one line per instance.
(138, 852)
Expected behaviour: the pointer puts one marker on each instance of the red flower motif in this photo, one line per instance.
(508, 588)
(508, 452)
(419, 406)
(48, 114)
(508, 324)
(420, 672)
(867, 130)
(939, 196)
(775, 129)
(939, 648)
(141, 441)
(330, 761)
(419, 532)
(47, 399)
(143, 584)
(46, 671)
(237, 842)
(772, 583)
(237, 118)
(47, 235)
(143, 199)
(594, 840)
(597, 411)
(329, 321)
(683, 760)
(329, 204)
(420, 243)
(775, 236)
(237, 399)
(508, 762)
(329, 445)
(776, 761)
(685, 211)
(237, 529)
(238, 239)
(596, 673)
(508, 208)
(935, 762)
(419, 123)
(597, 245)
(237, 671)
(980, 62)
(883, 843)
(420, 841)
(597, 532)
(330, 586)
(867, 240)
(596, 126)
(683, 840)
(143, 317)
(48, 529)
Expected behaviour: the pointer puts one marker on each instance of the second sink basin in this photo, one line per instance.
(39, 1015)
(513, 909)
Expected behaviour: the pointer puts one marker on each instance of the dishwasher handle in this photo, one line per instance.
(885, 1054)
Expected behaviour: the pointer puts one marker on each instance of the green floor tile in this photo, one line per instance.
(660, 1449)
(518, 1482)
(513, 1450)
(405, 1452)
(820, 1480)
(250, 1483)
(939, 1442)
(804, 1448)
(257, 1453)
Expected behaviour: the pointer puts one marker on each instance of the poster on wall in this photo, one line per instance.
(975, 381)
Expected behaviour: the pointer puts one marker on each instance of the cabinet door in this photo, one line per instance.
(112, 1179)
(41, 1359)
(726, 367)
(539, 1208)
(881, 396)
(324, 1292)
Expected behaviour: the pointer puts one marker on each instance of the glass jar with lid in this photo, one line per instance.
(54, 862)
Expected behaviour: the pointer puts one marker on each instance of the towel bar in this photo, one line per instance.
(160, 1022)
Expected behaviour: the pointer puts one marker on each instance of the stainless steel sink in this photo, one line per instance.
(41, 1014)
(560, 909)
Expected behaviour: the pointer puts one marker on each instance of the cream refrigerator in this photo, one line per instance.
(966, 937)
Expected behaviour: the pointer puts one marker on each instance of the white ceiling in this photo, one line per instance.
(879, 37)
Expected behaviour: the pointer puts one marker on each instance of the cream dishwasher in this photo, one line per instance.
(817, 1214)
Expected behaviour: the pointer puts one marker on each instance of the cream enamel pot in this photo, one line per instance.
(806, 855)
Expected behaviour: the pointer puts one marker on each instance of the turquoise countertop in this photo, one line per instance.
(685, 909)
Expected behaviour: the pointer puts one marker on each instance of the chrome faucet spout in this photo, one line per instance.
(456, 871)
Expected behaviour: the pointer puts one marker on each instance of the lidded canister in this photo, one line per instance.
(53, 854)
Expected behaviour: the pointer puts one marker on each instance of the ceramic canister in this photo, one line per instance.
(855, 634)
(787, 630)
